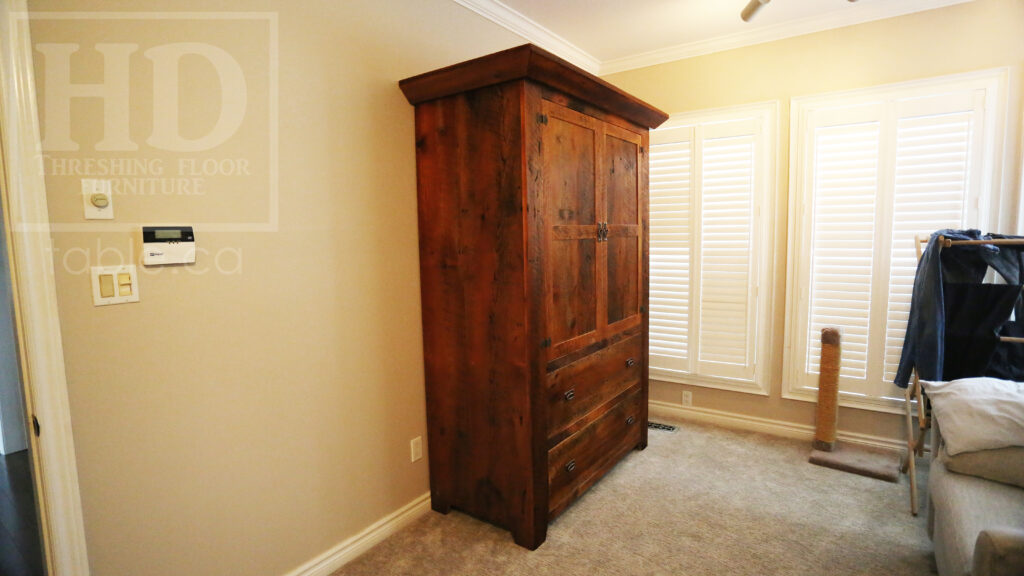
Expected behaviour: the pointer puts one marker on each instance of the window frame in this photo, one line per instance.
(985, 207)
(767, 140)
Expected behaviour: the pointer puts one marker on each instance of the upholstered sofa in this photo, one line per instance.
(975, 504)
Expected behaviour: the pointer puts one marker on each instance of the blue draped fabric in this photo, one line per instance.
(924, 346)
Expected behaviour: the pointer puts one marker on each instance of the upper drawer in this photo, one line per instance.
(577, 388)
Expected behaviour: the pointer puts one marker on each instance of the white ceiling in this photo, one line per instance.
(605, 36)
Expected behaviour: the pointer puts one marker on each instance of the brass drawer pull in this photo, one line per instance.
(570, 466)
(630, 363)
(630, 420)
(570, 395)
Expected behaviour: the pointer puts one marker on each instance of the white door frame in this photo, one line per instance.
(23, 197)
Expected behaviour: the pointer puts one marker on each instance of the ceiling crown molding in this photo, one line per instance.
(829, 21)
(533, 32)
(510, 19)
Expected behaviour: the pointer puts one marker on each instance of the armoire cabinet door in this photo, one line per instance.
(592, 217)
(570, 151)
(623, 214)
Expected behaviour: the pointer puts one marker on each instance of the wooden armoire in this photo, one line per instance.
(532, 179)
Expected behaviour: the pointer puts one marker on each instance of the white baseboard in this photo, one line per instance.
(348, 550)
(764, 425)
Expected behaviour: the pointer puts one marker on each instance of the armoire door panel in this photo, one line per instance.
(570, 154)
(623, 277)
(621, 160)
(570, 184)
(621, 178)
(573, 308)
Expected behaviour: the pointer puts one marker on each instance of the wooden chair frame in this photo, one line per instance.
(915, 443)
(914, 392)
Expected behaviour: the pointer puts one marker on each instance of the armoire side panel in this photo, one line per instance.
(536, 289)
(645, 280)
(472, 274)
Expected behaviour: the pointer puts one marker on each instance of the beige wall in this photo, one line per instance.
(280, 425)
(241, 424)
(977, 35)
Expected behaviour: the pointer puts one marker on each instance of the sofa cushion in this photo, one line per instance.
(1004, 465)
(963, 507)
(999, 552)
(978, 413)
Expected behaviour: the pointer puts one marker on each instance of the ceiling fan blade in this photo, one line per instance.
(752, 8)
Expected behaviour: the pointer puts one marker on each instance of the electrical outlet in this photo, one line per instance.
(687, 398)
(416, 449)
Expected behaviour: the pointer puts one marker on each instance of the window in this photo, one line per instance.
(870, 171)
(711, 176)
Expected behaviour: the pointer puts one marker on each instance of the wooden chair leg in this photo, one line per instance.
(910, 465)
(922, 416)
(910, 426)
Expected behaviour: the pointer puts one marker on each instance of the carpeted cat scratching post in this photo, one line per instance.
(828, 391)
(864, 460)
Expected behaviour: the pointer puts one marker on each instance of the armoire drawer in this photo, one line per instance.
(583, 458)
(577, 388)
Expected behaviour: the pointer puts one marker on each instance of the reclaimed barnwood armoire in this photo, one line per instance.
(532, 179)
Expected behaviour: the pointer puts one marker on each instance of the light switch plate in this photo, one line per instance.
(120, 281)
(92, 187)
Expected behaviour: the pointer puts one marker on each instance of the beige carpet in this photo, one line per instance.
(700, 501)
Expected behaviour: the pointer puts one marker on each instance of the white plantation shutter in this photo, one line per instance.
(710, 175)
(842, 248)
(873, 170)
(931, 193)
(726, 224)
(670, 177)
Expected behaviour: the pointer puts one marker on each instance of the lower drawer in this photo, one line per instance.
(575, 464)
